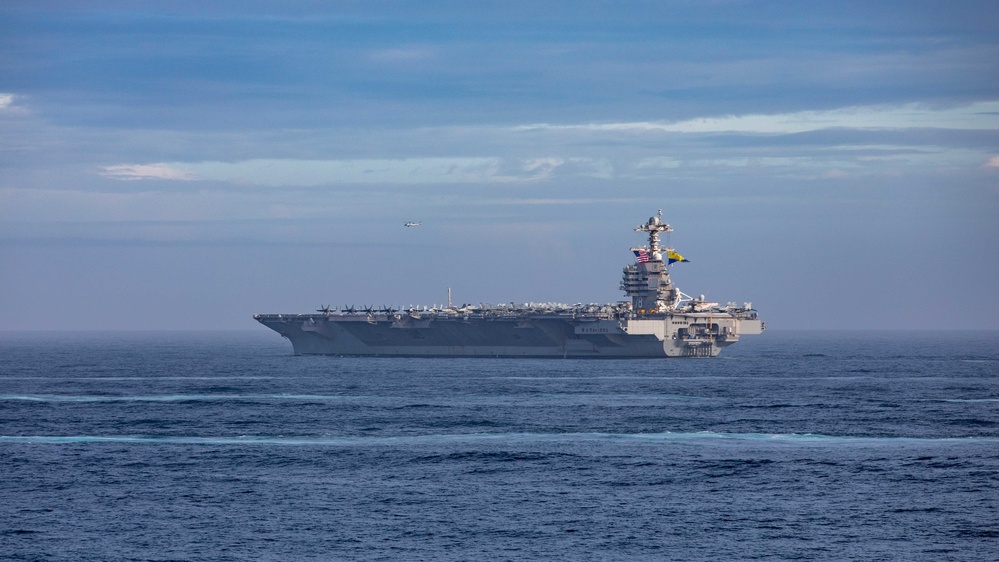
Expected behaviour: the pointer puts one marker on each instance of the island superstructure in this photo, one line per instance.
(658, 321)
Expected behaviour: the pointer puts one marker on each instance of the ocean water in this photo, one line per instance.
(225, 446)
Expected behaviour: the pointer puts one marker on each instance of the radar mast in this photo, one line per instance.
(654, 227)
(647, 281)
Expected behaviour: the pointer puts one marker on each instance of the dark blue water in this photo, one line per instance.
(163, 446)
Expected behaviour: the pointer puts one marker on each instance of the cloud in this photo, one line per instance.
(976, 116)
(531, 170)
(146, 172)
(12, 105)
(280, 172)
(658, 162)
(293, 172)
(856, 141)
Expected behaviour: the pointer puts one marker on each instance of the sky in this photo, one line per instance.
(185, 165)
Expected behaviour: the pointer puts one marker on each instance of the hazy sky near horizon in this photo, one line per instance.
(184, 165)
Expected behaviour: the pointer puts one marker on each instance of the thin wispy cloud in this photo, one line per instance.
(613, 151)
(307, 173)
(977, 116)
(131, 172)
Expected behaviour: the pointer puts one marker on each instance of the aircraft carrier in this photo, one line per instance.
(658, 321)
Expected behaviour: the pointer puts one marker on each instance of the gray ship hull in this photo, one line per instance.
(673, 335)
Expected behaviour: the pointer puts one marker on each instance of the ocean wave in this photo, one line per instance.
(396, 440)
(143, 379)
(961, 400)
(406, 402)
(174, 397)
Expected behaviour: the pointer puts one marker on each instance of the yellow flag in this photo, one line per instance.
(675, 257)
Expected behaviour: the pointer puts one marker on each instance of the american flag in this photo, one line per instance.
(642, 255)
